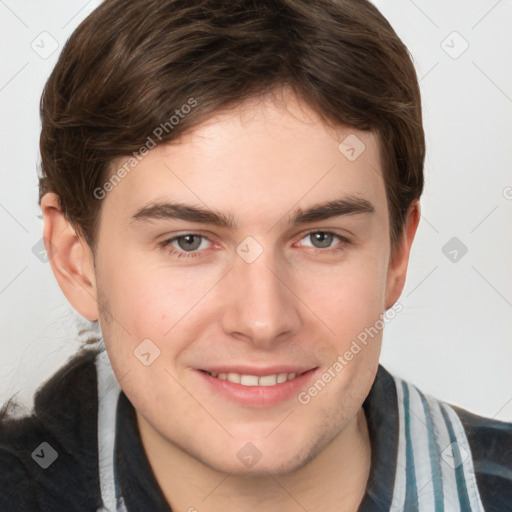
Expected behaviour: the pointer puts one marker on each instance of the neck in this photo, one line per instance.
(335, 480)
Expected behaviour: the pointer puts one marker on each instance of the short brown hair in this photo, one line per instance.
(129, 66)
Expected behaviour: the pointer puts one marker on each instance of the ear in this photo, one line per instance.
(397, 268)
(70, 257)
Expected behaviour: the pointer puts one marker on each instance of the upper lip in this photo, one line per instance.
(258, 372)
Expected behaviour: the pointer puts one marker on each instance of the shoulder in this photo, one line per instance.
(470, 455)
(16, 488)
(490, 443)
(48, 458)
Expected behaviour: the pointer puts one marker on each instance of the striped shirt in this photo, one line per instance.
(80, 450)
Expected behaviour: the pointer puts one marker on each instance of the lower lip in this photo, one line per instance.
(258, 396)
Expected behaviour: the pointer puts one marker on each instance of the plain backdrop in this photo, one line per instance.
(453, 336)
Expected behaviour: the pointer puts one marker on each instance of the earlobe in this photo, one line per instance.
(397, 269)
(70, 257)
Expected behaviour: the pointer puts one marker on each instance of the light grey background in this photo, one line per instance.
(453, 337)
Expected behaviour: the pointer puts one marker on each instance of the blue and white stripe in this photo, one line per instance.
(434, 465)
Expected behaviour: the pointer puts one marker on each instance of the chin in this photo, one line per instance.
(276, 456)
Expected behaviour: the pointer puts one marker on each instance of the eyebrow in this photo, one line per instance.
(349, 205)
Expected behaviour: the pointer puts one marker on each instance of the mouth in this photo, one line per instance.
(255, 380)
(252, 387)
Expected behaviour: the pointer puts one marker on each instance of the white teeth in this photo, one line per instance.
(253, 380)
(249, 380)
(234, 377)
(268, 380)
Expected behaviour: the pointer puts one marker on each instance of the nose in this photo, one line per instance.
(261, 306)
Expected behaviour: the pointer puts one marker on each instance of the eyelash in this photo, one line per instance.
(166, 244)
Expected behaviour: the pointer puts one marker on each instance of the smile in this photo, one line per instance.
(269, 387)
(254, 380)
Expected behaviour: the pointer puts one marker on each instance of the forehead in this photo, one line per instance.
(257, 158)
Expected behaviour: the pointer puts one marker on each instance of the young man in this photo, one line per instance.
(232, 190)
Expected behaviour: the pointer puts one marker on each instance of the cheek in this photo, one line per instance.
(153, 300)
(350, 297)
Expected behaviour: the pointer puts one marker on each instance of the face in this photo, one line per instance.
(219, 324)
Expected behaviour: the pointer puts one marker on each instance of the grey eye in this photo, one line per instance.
(321, 239)
(189, 242)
